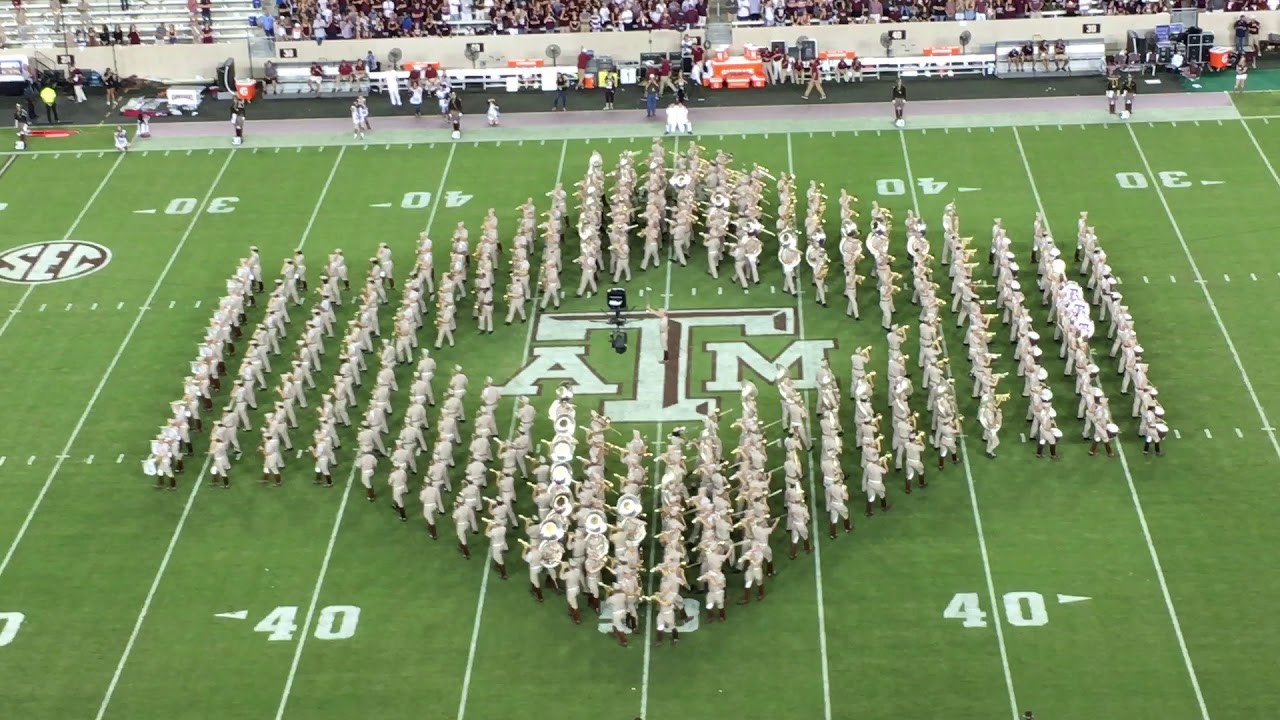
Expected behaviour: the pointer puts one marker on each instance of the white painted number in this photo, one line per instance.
(279, 623)
(415, 200)
(186, 206)
(929, 186)
(891, 186)
(180, 206)
(1025, 609)
(337, 622)
(223, 205)
(454, 199)
(966, 607)
(894, 186)
(9, 624)
(1173, 179)
(1021, 609)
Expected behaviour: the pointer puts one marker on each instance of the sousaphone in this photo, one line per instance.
(553, 528)
(563, 425)
(789, 257)
(789, 238)
(681, 180)
(562, 502)
(628, 506)
(561, 474)
(561, 451)
(595, 523)
(552, 553)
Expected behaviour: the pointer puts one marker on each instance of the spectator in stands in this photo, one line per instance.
(117, 36)
(134, 37)
(270, 79)
(172, 34)
(206, 10)
(124, 5)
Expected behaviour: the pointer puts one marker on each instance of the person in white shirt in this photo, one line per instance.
(493, 113)
(678, 118)
(357, 122)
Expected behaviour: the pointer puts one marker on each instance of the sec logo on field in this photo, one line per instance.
(50, 262)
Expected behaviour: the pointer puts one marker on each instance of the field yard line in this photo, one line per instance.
(315, 593)
(75, 224)
(324, 191)
(182, 521)
(484, 578)
(346, 493)
(124, 344)
(657, 496)
(813, 509)
(1265, 160)
(973, 491)
(1128, 476)
(1213, 307)
(151, 592)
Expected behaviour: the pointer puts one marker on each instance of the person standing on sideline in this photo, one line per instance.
(455, 113)
(77, 84)
(651, 97)
(415, 98)
(584, 59)
(562, 93)
(49, 96)
(1242, 75)
(610, 87)
(664, 76)
(815, 80)
(237, 120)
(899, 103)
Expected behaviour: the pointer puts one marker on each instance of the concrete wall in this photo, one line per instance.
(184, 62)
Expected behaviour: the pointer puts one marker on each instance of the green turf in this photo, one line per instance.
(88, 556)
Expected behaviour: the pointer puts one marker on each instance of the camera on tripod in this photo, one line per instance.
(616, 301)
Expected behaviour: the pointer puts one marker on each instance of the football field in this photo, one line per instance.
(1087, 587)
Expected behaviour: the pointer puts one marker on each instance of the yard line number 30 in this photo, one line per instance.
(1174, 179)
(1021, 609)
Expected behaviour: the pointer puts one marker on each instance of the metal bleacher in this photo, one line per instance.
(47, 28)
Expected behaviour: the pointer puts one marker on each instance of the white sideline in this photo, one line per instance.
(83, 211)
(97, 392)
(1124, 461)
(973, 494)
(186, 511)
(815, 531)
(484, 577)
(346, 491)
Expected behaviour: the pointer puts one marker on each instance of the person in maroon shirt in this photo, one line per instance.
(815, 80)
(316, 78)
(664, 76)
(584, 58)
(345, 72)
(697, 55)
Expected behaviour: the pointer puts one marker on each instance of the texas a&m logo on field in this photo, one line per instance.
(666, 392)
(49, 262)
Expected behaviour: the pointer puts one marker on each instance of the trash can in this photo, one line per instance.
(245, 89)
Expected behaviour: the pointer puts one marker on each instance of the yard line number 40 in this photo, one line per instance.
(335, 622)
(1021, 609)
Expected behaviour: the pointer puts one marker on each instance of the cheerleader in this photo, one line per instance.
(610, 87)
(415, 98)
(493, 113)
(357, 123)
(122, 139)
(144, 126)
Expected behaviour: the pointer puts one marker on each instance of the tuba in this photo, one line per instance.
(552, 529)
(561, 451)
(564, 425)
(628, 506)
(561, 474)
(561, 503)
(595, 523)
(552, 553)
